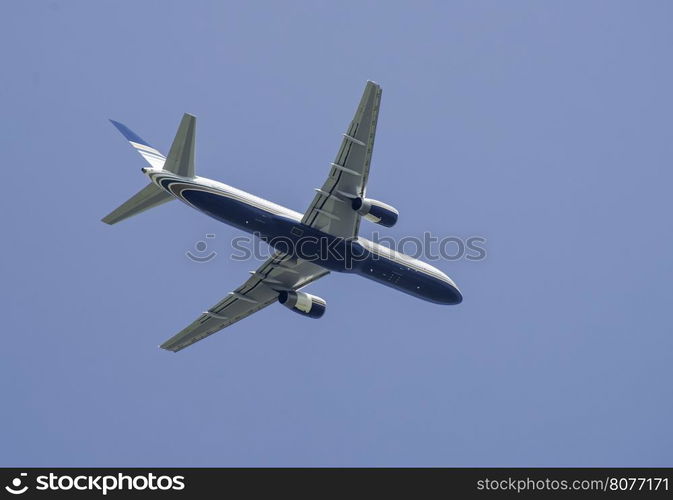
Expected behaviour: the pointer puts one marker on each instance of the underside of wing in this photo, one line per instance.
(279, 273)
(331, 210)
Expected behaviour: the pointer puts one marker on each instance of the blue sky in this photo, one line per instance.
(544, 127)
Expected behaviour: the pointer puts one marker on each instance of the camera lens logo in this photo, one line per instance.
(15, 488)
(201, 247)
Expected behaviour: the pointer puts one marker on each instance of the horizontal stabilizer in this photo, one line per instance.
(151, 155)
(148, 197)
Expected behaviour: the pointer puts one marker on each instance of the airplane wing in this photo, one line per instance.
(279, 272)
(331, 209)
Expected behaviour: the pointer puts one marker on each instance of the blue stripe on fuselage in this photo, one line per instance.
(331, 252)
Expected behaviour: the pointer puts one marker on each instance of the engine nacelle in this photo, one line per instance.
(376, 211)
(303, 303)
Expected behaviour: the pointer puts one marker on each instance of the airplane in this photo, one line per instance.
(306, 246)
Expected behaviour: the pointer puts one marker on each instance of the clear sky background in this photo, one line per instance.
(545, 127)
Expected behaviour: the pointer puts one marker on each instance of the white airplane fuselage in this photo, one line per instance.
(282, 228)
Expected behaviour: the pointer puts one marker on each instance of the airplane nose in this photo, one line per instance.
(445, 293)
(455, 296)
(450, 292)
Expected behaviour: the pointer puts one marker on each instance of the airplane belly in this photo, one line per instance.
(331, 252)
(408, 280)
(228, 210)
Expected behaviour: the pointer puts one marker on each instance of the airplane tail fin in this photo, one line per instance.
(180, 158)
(180, 161)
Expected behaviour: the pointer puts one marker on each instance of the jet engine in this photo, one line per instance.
(303, 303)
(376, 211)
